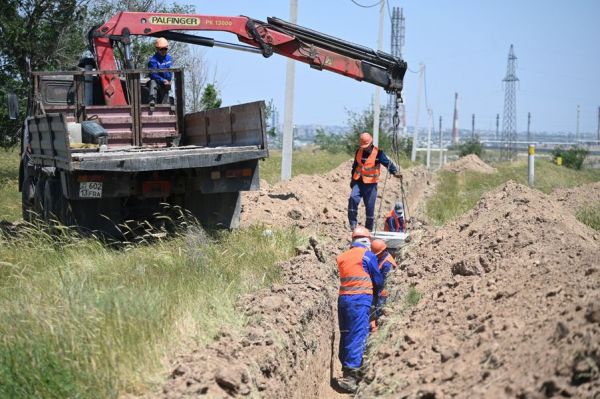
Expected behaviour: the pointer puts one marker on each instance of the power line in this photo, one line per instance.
(371, 6)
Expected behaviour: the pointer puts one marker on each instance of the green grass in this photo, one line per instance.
(10, 198)
(305, 162)
(458, 192)
(590, 216)
(79, 319)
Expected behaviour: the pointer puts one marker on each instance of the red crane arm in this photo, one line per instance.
(318, 50)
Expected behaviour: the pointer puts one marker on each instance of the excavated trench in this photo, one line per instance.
(510, 304)
(289, 347)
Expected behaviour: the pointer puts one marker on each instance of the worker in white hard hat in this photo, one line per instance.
(160, 82)
(360, 281)
(396, 221)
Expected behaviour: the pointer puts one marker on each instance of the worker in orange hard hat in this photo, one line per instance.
(386, 263)
(160, 82)
(360, 282)
(365, 175)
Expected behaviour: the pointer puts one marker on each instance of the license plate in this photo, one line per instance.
(90, 189)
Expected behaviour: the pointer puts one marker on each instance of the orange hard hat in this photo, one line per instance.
(161, 42)
(365, 140)
(378, 246)
(361, 232)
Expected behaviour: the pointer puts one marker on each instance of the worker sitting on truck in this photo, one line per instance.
(386, 263)
(360, 281)
(395, 221)
(160, 82)
(365, 175)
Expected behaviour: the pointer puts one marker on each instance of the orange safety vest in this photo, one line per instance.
(389, 258)
(354, 279)
(369, 171)
(397, 224)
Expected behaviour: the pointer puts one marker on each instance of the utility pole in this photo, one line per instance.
(472, 126)
(441, 142)
(577, 128)
(528, 128)
(455, 132)
(497, 127)
(376, 103)
(598, 134)
(413, 155)
(287, 146)
(429, 129)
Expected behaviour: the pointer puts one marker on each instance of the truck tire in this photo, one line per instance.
(220, 210)
(38, 199)
(27, 198)
(53, 200)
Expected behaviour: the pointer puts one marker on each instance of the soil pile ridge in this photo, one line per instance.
(578, 197)
(469, 163)
(321, 201)
(511, 306)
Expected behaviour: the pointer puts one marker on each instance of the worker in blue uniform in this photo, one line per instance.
(365, 176)
(160, 82)
(360, 282)
(386, 263)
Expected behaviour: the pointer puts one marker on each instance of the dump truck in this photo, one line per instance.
(97, 153)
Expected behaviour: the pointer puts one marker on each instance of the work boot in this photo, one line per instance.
(152, 102)
(349, 381)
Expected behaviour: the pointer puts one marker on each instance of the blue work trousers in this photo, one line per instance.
(353, 318)
(368, 193)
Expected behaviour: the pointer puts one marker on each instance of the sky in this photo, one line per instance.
(464, 45)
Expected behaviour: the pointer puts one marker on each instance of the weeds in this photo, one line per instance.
(80, 319)
(590, 216)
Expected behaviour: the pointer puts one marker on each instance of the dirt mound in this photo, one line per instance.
(575, 198)
(511, 307)
(469, 163)
(321, 201)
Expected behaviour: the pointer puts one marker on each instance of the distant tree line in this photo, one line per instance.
(359, 122)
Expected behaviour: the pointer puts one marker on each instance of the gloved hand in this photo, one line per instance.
(398, 175)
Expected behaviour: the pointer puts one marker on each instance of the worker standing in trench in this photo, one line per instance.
(365, 176)
(360, 282)
(386, 263)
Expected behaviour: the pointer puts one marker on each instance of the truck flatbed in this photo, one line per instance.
(139, 159)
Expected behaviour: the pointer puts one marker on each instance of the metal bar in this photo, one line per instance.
(179, 83)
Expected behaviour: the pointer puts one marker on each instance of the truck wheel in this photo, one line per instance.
(38, 199)
(52, 200)
(27, 195)
(220, 210)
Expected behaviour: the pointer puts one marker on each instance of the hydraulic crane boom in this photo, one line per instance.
(318, 50)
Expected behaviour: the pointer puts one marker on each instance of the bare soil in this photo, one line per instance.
(586, 195)
(469, 163)
(510, 306)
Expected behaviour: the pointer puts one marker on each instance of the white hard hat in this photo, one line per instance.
(364, 241)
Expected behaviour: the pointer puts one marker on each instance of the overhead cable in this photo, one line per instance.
(370, 6)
